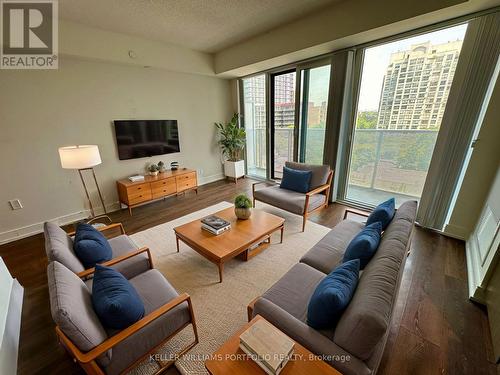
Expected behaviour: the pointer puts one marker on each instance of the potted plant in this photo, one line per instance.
(153, 170)
(161, 166)
(242, 207)
(232, 140)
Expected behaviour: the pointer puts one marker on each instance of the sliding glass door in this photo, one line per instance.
(282, 121)
(254, 121)
(314, 88)
(301, 140)
(402, 98)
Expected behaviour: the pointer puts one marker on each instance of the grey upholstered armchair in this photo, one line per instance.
(128, 258)
(102, 351)
(299, 203)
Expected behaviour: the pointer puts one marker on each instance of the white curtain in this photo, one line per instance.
(474, 72)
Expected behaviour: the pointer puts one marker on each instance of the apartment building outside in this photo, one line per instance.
(416, 86)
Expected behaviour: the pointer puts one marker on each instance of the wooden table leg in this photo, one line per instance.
(282, 229)
(221, 270)
(177, 241)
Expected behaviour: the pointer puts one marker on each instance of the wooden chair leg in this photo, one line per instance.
(304, 219)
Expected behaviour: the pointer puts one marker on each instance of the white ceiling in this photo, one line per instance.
(203, 25)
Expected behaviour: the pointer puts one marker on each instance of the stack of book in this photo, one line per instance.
(267, 346)
(215, 225)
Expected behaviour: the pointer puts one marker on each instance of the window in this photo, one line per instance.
(314, 103)
(392, 159)
(254, 121)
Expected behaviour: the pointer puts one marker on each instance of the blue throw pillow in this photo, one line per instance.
(364, 245)
(115, 300)
(90, 246)
(332, 295)
(384, 213)
(296, 180)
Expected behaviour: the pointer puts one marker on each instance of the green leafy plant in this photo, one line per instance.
(153, 168)
(242, 201)
(232, 138)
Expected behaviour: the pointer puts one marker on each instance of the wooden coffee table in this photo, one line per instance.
(246, 237)
(230, 359)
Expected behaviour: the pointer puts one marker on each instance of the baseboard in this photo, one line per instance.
(476, 292)
(208, 179)
(455, 231)
(30, 230)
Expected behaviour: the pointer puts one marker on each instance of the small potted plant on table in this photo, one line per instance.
(242, 207)
(153, 170)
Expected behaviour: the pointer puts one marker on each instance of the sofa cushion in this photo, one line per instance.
(328, 252)
(287, 199)
(71, 307)
(364, 245)
(123, 245)
(296, 180)
(90, 246)
(367, 318)
(319, 172)
(332, 295)
(115, 300)
(155, 291)
(294, 290)
(384, 213)
(59, 247)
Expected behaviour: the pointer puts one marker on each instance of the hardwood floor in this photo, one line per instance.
(435, 330)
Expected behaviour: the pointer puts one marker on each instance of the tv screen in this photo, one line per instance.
(143, 138)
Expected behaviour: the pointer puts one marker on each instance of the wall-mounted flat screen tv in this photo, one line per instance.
(144, 138)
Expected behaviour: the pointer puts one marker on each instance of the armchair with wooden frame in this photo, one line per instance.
(298, 203)
(101, 351)
(127, 257)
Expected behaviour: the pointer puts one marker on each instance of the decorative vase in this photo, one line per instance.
(155, 173)
(242, 213)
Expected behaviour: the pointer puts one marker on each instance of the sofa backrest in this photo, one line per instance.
(72, 311)
(367, 318)
(59, 247)
(319, 172)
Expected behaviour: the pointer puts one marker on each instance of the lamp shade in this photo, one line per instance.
(79, 157)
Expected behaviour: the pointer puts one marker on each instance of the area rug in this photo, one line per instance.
(220, 308)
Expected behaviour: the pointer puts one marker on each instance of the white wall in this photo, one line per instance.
(43, 110)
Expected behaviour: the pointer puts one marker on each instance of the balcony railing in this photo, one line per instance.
(394, 161)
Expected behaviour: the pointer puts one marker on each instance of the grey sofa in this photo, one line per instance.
(356, 344)
(128, 258)
(298, 203)
(102, 351)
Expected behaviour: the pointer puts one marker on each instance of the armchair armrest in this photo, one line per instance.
(349, 211)
(116, 260)
(319, 189)
(105, 228)
(261, 182)
(122, 335)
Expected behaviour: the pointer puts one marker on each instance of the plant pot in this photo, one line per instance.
(153, 173)
(242, 213)
(234, 169)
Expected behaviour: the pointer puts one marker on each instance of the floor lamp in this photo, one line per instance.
(83, 158)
